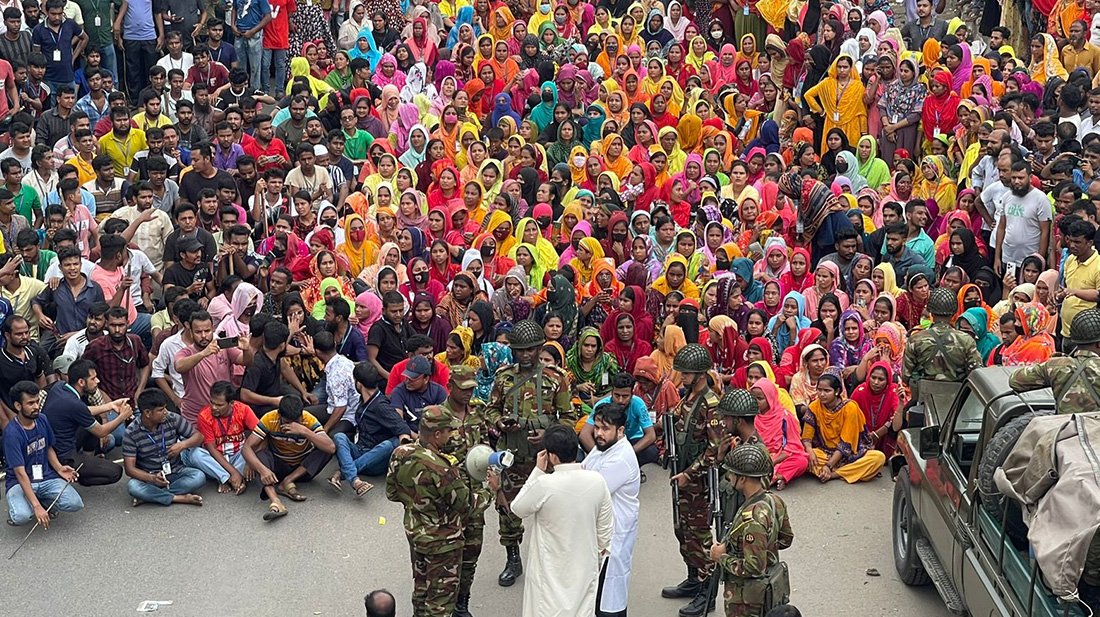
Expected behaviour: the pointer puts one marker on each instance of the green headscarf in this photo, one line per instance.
(874, 169)
(979, 322)
(318, 311)
(604, 367)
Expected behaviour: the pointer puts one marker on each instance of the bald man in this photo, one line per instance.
(380, 603)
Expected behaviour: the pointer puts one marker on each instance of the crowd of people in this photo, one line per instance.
(239, 241)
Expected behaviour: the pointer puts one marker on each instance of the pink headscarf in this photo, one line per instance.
(373, 304)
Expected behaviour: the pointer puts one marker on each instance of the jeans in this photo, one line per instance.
(143, 327)
(140, 57)
(354, 459)
(183, 481)
(201, 459)
(54, 85)
(19, 508)
(249, 55)
(275, 57)
(109, 61)
(114, 440)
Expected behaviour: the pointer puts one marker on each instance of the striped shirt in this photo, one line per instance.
(150, 448)
(288, 448)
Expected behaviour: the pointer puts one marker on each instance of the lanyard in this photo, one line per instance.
(163, 447)
(227, 425)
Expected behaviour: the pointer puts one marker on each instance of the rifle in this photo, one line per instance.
(672, 459)
(720, 526)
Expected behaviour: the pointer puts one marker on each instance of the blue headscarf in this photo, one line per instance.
(372, 54)
(543, 113)
(783, 336)
(768, 138)
(592, 128)
(742, 269)
(502, 106)
(465, 16)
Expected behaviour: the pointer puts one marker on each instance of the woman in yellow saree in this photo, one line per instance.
(834, 435)
(935, 183)
(1045, 62)
(589, 252)
(839, 98)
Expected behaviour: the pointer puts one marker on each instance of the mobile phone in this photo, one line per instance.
(228, 342)
(1010, 270)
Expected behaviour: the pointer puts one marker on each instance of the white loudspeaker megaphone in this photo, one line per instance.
(482, 458)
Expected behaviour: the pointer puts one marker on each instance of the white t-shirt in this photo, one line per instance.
(1021, 216)
(184, 64)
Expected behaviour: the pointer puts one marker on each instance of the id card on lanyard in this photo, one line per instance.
(165, 466)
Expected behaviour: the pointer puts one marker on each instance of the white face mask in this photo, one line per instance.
(578, 161)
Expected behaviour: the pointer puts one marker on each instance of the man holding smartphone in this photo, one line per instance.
(205, 362)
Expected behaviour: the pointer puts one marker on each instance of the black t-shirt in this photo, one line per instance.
(193, 182)
(13, 370)
(262, 377)
(391, 347)
(182, 277)
(67, 414)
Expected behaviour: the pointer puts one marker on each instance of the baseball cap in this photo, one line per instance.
(190, 245)
(418, 366)
(463, 377)
(61, 364)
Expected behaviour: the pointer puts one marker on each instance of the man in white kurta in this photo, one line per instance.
(570, 516)
(614, 459)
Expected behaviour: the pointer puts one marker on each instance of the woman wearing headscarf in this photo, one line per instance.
(1045, 61)
(357, 250)
(939, 115)
(726, 346)
(882, 408)
(457, 352)
(786, 325)
(591, 369)
(827, 280)
(423, 319)
(901, 106)
(512, 303)
(839, 98)
(873, 169)
(914, 300)
(975, 322)
(625, 345)
(779, 431)
(1034, 343)
(835, 434)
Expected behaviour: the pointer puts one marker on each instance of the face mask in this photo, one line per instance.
(548, 97)
(972, 303)
(855, 25)
(329, 223)
(543, 222)
(721, 265)
(560, 19)
(451, 117)
(575, 244)
(618, 237)
(357, 235)
(487, 251)
(578, 161)
(544, 9)
(420, 277)
(716, 34)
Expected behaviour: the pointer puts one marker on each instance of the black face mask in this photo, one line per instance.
(721, 265)
(854, 25)
(618, 237)
(487, 251)
(547, 97)
(543, 222)
(576, 244)
(420, 277)
(329, 223)
(972, 303)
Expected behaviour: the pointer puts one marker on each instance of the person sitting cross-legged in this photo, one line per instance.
(225, 424)
(152, 453)
(34, 474)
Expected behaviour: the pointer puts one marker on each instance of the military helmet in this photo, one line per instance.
(1085, 327)
(738, 403)
(692, 358)
(751, 461)
(942, 302)
(526, 334)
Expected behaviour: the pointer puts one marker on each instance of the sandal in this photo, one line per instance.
(361, 487)
(275, 511)
(290, 492)
(335, 483)
(780, 484)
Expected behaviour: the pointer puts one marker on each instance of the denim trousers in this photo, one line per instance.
(201, 459)
(250, 57)
(355, 459)
(143, 327)
(108, 60)
(278, 58)
(19, 508)
(182, 481)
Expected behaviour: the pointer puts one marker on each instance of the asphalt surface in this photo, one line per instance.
(223, 560)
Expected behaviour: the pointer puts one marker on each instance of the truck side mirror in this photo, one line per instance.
(930, 446)
(916, 414)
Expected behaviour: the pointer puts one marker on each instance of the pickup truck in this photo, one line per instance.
(950, 525)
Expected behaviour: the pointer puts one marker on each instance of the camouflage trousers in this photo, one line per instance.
(737, 609)
(694, 531)
(473, 535)
(511, 481)
(435, 583)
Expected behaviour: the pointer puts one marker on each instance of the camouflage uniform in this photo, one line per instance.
(940, 353)
(1075, 380)
(471, 432)
(698, 434)
(429, 484)
(761, 529)
(536, 401)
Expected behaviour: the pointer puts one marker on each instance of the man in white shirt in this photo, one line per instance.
(164, 373)
(614, 459)
(1023, 216)
(176, 58)
(569, 512)
(97, 326)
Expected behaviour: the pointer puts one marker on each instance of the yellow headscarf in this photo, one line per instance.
(1050, 65)
(584, 273)
(698, 61)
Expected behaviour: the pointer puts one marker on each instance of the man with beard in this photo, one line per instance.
(123, 142)
(204, 71)
(20, 360)
(94, 104)
(203, 174)
(1023, 221)
(291, 131)
(235, 116)
(205, 362)
(34, 474)
(97, 325)
(385, 342)
(268, 150)
(917, 217)
(121, 358)
(189, 131)
(614, 459)
(527, 398)
(897, 254)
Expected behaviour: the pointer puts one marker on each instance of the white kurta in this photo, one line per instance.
(570, 516)
(619, 468)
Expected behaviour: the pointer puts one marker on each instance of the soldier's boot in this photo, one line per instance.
(462, 606)
(512, 568)
(701, 604)
(686, 588)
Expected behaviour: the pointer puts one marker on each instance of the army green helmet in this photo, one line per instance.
(526, 334)
(738, 403)
(943, 303)
(692, 358)
(1085, 327)
(749, 460)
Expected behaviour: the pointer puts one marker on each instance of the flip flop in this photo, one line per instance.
(335, 483)
(290, 492)
(362, 487)
(275, 511)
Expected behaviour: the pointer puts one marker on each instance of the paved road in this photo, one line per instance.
(222, 560)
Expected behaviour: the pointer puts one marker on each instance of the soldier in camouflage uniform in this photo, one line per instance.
(472, 430)
(940, 353)
(698, 435)
(750, 549)
(526, 399)
(426, 480)
(1074, 378)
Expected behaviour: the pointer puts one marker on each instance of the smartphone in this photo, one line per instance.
(1010, 270)
(228, 342)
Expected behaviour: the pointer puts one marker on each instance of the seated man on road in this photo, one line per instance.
(418, 345)
(380, 429)
(639, 426)
(225, 424)
(34, 474)
(417, 392)
(155, 452)
(297, 449)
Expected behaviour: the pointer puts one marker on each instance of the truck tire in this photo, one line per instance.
(905, 531)
(996, 451)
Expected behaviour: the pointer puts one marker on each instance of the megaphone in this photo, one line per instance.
(482, 458)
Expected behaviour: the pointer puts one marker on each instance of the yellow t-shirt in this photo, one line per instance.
(1079, 275)
(287, 447)
(122, 151)
(85, 173)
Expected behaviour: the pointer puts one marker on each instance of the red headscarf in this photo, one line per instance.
(941, 111)
(626, 354)
(879, 408)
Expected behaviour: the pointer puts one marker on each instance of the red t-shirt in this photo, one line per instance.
(215, 74)
(6, 77)
(441, 375)
(277, 31)
(276, 147)
(227, 435)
